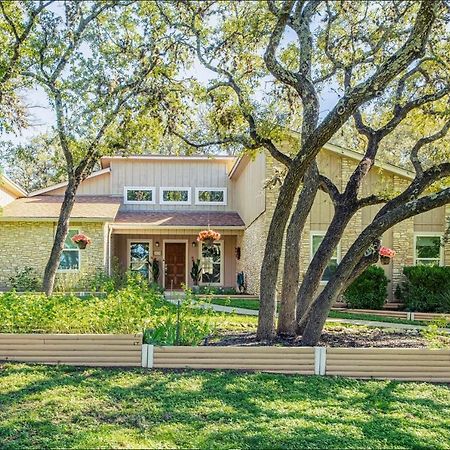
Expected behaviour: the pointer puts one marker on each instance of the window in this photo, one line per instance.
(70, 256)
(175, 196)
(211, 263)
(316, 240)
(139, 258)
(428, 250)
(139, 195)
(210, 196)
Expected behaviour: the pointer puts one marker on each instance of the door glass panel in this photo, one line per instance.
(212, 261)
(140, 258)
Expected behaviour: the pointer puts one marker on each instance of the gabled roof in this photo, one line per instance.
(12, 187)
(64, 183)
(105, 161)
(47, 207)
(351, 154)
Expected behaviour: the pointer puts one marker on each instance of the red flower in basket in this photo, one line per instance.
(81, 240)
(386, 254)
(208, 236)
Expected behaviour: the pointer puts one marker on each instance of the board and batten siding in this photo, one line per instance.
(171, 173)
(98, 185)
(248, 188)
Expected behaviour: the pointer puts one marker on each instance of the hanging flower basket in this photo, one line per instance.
(386, 254)
(81, 240)
(208, 237)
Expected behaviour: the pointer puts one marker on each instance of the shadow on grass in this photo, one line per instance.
(68, 407)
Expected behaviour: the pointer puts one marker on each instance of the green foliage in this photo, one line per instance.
(25, 280)
(426, 289)
(369, 290)
(155, 269)
(132, 309)
(196, 271)
(435, 335)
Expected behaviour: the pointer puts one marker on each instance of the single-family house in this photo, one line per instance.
(137, 208)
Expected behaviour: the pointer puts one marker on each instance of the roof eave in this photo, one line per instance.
(13, 187)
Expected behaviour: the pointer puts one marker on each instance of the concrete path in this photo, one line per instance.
(252, 312)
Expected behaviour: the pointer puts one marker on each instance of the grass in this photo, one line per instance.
(61, 407)
(254, 305)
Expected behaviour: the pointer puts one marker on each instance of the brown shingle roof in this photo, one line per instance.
(47, 206)
(181, 218)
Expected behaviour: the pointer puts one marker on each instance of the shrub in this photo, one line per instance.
(133, 309)
(25, 280)
(426, 289)
(369, 290)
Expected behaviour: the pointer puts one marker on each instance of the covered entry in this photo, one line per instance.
(175, 264)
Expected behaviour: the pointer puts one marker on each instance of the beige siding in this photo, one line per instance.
(120, 250)
(98, 185)
(431, 221)
(171, 173)
(248, 188)
(5, 195)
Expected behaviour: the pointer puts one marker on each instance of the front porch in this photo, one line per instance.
(135, 248)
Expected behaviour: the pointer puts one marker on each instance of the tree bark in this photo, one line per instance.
(291, 272)
(60, 237)
(272, 254)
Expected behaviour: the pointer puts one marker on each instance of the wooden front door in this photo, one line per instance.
(175, 264)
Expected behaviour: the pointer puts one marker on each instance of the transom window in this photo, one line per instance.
(70, 256)
(316, 240)
(139, 195)
(175, 196)
(211, 196)
(428, 250)
(212, 263)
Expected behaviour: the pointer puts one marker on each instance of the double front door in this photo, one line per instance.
(175, 264)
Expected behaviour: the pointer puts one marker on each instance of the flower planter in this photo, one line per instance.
(81, 245)
(385, 260)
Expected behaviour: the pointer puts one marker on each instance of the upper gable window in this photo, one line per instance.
(139, 195)
(210, 196)
(175, 196)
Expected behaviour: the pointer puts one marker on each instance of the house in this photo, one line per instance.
(141, 207)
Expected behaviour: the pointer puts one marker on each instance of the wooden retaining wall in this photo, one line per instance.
(299, 360)
(104, 350)
(389, 363)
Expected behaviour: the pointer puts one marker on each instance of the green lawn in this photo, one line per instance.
(254, 304)
(54, 407)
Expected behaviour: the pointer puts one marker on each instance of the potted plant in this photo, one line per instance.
(81, 240)
(208, 237)
(386, 254)
(196, 273)
(155, 269)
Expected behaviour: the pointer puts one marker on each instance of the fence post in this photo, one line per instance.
(150, 353)
(144, 356)
(411, 316)
(320, 360)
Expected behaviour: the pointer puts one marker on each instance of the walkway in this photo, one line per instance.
(252, 312)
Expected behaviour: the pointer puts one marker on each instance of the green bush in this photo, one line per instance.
(426, 289)
(369, 290)
(25, 280)
(133, 309)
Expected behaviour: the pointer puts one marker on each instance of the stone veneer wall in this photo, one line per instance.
(28, 244)
(447, 245)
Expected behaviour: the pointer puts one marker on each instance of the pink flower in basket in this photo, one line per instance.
(208, 236)
(387, 252)
(81, 240)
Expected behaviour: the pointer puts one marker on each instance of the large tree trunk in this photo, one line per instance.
(291, 273)
(272, 254)
(60, 237)
(321, 259)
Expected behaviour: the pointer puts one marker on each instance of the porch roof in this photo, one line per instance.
(180, 218)
(45, 207)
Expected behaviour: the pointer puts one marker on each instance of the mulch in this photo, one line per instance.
(338, 337)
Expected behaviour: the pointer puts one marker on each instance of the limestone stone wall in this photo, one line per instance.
(447, 244)
(28, 244)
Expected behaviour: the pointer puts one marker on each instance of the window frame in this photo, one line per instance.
(222, 264)
(172, 202)
(441, 248)
(139, 188)
(311, 250)
(77, 231)
(150, 253)
(221, 189)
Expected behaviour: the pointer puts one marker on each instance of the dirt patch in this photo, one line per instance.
(338, 337)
